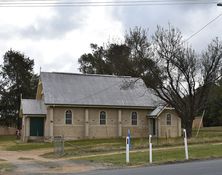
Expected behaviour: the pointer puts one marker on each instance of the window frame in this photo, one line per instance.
(134, 120)
(102, 120)
(168, 119)
(70, 118)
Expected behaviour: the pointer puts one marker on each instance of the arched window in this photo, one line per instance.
(168, 119)
(102, 118)
(68, 117)
(134, 118)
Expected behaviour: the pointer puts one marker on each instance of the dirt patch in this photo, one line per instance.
(42, 167)
(5, 168)
(30, 162)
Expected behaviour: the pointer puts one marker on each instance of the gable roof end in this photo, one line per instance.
(33, 107)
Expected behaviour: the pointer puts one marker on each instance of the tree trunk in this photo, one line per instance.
(188, 128)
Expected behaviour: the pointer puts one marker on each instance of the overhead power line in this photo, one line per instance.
(217, 17)
(111, 1)
(52, 3)
(102, 1)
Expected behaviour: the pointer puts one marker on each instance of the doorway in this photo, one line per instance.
(153, 126)
(37, 126)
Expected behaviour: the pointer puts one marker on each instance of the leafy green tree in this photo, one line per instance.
(17, 78)
(133, 57)
(213, 116)
(111, 60)
(94, 63)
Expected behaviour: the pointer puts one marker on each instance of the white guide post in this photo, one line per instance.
(127, 149)
(185, 144)
(150, 149)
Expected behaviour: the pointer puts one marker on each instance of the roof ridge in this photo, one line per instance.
(98, 75)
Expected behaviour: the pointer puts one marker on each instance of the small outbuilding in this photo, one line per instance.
(164, 122)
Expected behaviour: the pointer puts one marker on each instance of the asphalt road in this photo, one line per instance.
(208, 167)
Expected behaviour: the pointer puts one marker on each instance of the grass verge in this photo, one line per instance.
(6, 167)
(25, 158)
(159, 156)
(4, 139)
(19, 146)
(10, 143)
(93, 146)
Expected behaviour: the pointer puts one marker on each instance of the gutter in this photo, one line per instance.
(99, 106)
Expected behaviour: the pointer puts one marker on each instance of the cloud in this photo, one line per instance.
(188, 18)
(63, 21)
(59, 47)
(40, 23)
(56, 37)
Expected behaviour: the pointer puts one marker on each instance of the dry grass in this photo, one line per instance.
(25, 158)
(98, 146)
(159, 156)
(6, 167)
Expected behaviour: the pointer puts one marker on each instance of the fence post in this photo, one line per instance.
(185, 144)
(127, 149)
(150, 149)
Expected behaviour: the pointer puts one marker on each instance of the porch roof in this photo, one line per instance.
(33, 107)
(156, 112)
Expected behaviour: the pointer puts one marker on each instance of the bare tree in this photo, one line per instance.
(183, 78)
(173, 70)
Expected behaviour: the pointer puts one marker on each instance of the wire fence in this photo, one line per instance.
(58, 146)
(117, 151)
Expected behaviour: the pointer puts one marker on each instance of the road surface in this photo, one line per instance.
(208, 167)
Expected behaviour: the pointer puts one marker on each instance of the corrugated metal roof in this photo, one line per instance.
(33, 107)
(101, 90)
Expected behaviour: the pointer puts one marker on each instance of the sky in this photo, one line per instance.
(55, 37)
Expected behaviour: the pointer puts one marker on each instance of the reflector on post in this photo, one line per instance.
(127, 149)
(185, 144)
(150, 149)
